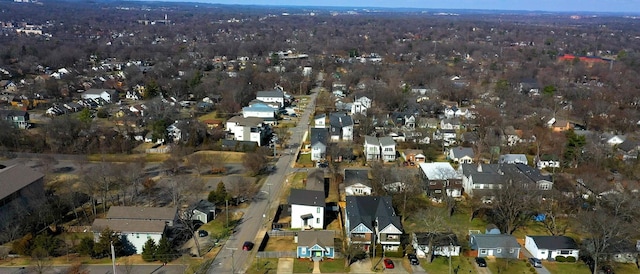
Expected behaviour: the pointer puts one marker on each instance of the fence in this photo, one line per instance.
(286, 233)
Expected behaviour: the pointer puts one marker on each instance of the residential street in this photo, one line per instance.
(232, 259)
(103, 269)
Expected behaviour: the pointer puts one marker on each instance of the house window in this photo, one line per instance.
(317, 220)
(437, 191)
(498, 250)
(432, 183)
(544, 186)
(483, 251)
(565, 252)
(512, 250)
(318, 210)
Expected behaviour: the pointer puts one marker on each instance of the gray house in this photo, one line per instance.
(513, 159)
(498, 245)
(319, 140)
(204, 211)
(19, 118)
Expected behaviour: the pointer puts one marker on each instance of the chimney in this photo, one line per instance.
(479, 167)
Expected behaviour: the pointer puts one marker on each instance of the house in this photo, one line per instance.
(613, 139)
(529, 86)
(547, 161)
(513, 159)
(341, 127)
(431, 123)
(21, 189)
(498, 245)
(511, 135)
(461, 155)
(319, 121)
(319, 140)
(248, 129)
(550, 247)
(372, 220)
(441, 179)
(442, 244)
(619, 250)
(307, 208)
(360, 105)
(470, 137)
(383, 148)
(448, 136)
(316, 244)
(414, 155)
(450, 123)
(136, 224)
(480, 180)
(108, 95)
(203, 211)
(19, 118)
(356, 182)
(136, 232)
(263, 111)
(561, 125)
(275, 96)
(315, 180)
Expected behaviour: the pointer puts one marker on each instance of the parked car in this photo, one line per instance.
(413, 259)
(535, 262)
(203, 233)
(388, 263)
(606, 269)
(247, 246)
(481, 262)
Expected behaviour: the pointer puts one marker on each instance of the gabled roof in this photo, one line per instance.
(459, 152)
(494, 241)
(554, 242)
(354, 176)
(340, 120)
(249, 121)
(306, 197)
(6, 113)
(371, 140)
(323, 238)
(387, 141)
(513, 158)
(142, 213)
(128, 225)
(319, 136)
(259, 107)
(439, 239)
(367, 209)
(270, 93)
(315, 179)
(628, 145)
(97, 91)
(439, 171)
(16, 177)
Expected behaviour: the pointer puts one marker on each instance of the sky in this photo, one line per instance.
(627, 6)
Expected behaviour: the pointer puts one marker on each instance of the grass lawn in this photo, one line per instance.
(218, 227)
(126, 158)
(459, 222)
(498, 265)
(333, 266)
(573, 268)
(304, 160)
(209, 116)
(302, 266)
(280, 244)
(263, 266)
(441, 265)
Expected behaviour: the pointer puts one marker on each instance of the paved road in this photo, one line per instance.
(232, 259)
(103, 269)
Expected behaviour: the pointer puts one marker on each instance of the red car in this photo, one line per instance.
(247, 246)
(388, 263)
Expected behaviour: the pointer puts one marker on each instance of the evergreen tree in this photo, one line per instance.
(86, 246)
(102, 248)
(219, 195)
(164, 252)
(149, 250)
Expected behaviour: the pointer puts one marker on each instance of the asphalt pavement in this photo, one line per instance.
(257, 218)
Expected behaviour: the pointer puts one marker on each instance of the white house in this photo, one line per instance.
(443, 244)
(307, 208)
(263, 111)
(361, 105)
(109, 95)
(549, 247)
(275, 96)
(319, 121)
(356, 182)
(383, 148)
(547, 161)
(388, 148)
(340, 127)
(248, 129)
(461, 155)
(513, 159)
(319, 139)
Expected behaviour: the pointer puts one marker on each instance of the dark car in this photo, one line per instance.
(203, 233)
(413, 259)
(535, 262)
(481, 262)
(247, 246)
(388, 263)
(606, 269)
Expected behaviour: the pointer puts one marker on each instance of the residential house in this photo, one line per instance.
(619, 250)
(470, 137)
(450, 123)
(203, 211)
(316, 244)
(136, 224)
(547, 161)
(248, 129)
(530, 87)
(307, 208)
(319, 121)
(263, 111)
(316, 181)
(550, 247)
(319, 140)
(19, 118)
(177, 131)
(274, 105)
(561, 125)
(513, 159)
(613, 139)
(461, 155)
(511, 136)
(360, 105)
(21, 189)
(483, 179)
(108, 95)
(424, 122)
(372, 220)
(414, 155)
(341, 127)
(442, 244)
(441, 179)
(356, 182)
(448, 136)
(275, 96)
(383, 148)
(497, 245)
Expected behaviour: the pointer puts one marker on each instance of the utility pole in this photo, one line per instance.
(113, 257)
(227, 209)
(233, 262)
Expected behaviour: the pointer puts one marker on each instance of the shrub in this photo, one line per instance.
(560, 259)
(394, 254)
(532, 270)
(528, 265)
(570, 259)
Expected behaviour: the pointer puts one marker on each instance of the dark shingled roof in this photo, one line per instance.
(554, 242)
(323, 238)
(16, 177)
(306, 197)
(439, 239)
(142, 213)
(355, 176)
(365, 209)
(319, 136)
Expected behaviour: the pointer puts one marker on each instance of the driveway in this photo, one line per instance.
(362, 266)
(481, 270)
(541, 270)
(418, 269)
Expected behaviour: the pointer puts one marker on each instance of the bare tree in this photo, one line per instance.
(512, 205)
(431, 221)
(254, 162)
(41, 261)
